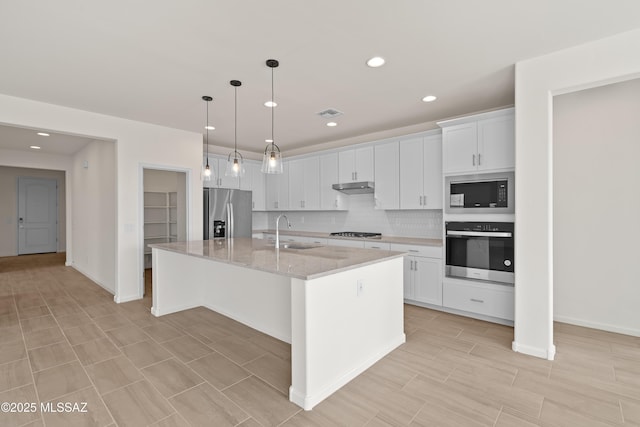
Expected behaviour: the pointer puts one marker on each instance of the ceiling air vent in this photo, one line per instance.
(330, 113)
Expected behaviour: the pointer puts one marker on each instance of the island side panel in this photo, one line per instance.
(258, 299)
(339, 329)
(176, 282)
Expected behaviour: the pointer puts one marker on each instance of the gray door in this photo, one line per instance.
(37, 215)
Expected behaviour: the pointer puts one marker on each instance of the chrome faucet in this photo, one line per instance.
(278, 228)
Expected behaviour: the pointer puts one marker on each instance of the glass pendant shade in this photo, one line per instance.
(272, 159)
(235, 162)
(235, 165)
(206, 172)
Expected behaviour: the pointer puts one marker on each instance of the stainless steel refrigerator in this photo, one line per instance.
(227, 213)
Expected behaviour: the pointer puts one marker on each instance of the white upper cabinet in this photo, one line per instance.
(387, 176)
(330, 199)
(304, 184)
(218, 166)
(277, 190)
(479, 143)
(253, 180)
(355, 165)
(421, 172)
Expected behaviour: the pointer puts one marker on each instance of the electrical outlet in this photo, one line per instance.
(359, 287)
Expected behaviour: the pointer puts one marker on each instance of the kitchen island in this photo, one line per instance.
(341, 309)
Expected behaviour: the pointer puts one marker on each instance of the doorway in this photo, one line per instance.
(37, 215)
(165, 214)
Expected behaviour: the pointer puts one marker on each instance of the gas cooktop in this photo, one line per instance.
(357, 234)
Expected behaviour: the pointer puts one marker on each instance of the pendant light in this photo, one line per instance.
(206, 173)
(235, 165)
(272, 160)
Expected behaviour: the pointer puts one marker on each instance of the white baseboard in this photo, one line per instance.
(596, 325)
(308, 402)
(156, 312)
(542, 353)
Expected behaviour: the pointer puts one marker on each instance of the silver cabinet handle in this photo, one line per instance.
(424, 200)
(336, 203)
(474, 159)
(356, 175)
(415, 265)
(477, 300)
(410, 265)
(479, 160)
(420, 198)
(413, 250)
(253, 205)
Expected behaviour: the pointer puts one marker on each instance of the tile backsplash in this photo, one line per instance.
(361, 216)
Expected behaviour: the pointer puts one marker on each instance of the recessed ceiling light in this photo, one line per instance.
(268, 140)
(35, 147)
(43, 134)
(429, 98)
(332, 124)
(210, 127)
(376, 61)
(270, 104)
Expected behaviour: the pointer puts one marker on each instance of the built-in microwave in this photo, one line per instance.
(481, 193)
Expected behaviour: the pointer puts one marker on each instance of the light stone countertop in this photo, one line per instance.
(258, 254)
(387, 239)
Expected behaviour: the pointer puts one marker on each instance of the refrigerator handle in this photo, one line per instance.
(229, 220)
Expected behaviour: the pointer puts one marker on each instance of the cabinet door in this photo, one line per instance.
(364, 164)
(411, 177)
(257, 186)
(432, 172)
(296, 184)
(408, 277)
(459, 148)
(346, 166)
(387, 176)
(427, 286)
(277, 190)
(496, 143)
(311, 172)
(330, 199)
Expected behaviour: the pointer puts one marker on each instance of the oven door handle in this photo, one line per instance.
(479, 233)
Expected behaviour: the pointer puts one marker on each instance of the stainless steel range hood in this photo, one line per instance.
(355, 187)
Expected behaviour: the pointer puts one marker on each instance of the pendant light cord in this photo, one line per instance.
(273, 107)
(235, 143)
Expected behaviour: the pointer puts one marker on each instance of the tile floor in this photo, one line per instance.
(63, 339)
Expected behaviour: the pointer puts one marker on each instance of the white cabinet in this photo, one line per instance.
(356, 165)
(277, 190)
(482, 298)
(422, 273)
(387, 176)
(484, 142)
(330, 199)
(218, 166)
(304, 184)
(421, 172)
(347, 243)
(381, 246)
(254, 181)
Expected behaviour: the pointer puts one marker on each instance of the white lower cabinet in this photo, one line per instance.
(483, 298)
(344, 242)
(377, 245)
(422, 273)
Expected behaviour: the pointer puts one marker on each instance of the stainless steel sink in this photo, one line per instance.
(299, 245)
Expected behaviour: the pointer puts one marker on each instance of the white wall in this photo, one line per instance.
(9, 206)
(537, 80)
(362, 216)
(596, 135)
(94, 213)
(136, 143)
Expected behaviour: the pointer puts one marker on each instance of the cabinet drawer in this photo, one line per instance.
(416, 250)
(490, 300)
(377, 245)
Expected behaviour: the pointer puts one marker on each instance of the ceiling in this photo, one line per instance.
(22, 139)
(153, 61)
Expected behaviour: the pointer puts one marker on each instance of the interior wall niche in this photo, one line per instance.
(596, 205)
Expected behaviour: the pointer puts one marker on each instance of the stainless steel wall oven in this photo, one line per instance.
(480, 250)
